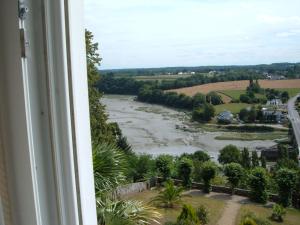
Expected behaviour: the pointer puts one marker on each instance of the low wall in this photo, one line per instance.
(132, 188)
(222, 189)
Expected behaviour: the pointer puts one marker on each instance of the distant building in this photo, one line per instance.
(274, 102)
(274, 116)
(225, 117)
(193, 73)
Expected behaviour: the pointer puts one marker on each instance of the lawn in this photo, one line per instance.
(235, 94)
(292, 91)
(232, 107)
(292, 217)
(196, 198)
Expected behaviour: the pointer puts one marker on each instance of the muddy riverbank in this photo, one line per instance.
(155, 129)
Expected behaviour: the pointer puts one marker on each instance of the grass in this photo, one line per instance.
(238, 136)
(232, 107)
(292, 217)
(292, 91)
(196, 199)
(160, 77)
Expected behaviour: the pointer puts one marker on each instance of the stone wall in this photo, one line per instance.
(132, 188)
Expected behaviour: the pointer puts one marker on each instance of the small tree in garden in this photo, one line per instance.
(263, 162)
(209, 171)
(185, 170)
(188, 216)
(254, 159)
(258, 181)
(245, 159)
(201, 156)
(164, 165)
(170, 196)
(278, 213)
(202, 214)
(229, 154)
(286, 180)
(234, 173)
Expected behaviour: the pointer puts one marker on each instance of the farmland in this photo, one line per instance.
(238, 86)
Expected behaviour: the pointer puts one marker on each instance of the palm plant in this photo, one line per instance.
(126, 212)
(109, 167)
(169, 196)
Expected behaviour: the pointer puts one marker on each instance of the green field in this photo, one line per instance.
(232, 107)
(292, 217)
(246, 136)
(235, 94)
(195, 198)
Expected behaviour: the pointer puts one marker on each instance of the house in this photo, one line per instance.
(225, 117)
(274, 116)
(274, 102)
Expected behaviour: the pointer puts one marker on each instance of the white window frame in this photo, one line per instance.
(64, 131)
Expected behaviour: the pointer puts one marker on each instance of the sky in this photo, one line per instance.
(166, 33)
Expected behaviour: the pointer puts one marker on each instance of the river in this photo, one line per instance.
(153, 129)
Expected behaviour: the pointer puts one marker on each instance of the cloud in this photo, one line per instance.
(274, 20)
(286, 34)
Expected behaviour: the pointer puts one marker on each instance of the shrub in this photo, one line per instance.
(203, 113)
(202, 214)
(278, 213)
(213, 98)
(229, 154)
(208, 172)
(250, 218)
(245, 159)
(164, 164)
(169, 196)
(234, 173)
(187, 216)
(201, 156)
(185, 170)
(258, 182)
(254, 159)
(286, 180)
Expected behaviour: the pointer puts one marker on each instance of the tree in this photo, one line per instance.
(245, 159)
(198, 100)
(234, 173)
(201, 156)
(208, 172)
(164, 164)
(100, 130)
(286, 180)
(188, 216)
(185, 170)
(203, 113)
(213, 98)
(140, 167)
(258, 182)
(263, 162)
(254, 159)
(229, 154)
(169, 196)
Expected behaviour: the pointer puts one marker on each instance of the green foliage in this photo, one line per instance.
(100, 130)
(198, 100)
(208, 172)
(170, 196)
(141, 167)
(185, 169)
(164, 165)
(254, 159)
(245, 159)
(234, 173)
(200, 156)
(109, 168)
(251, 219)
(202, 214)
(248, 116)
(229, 154)
(286, 180)
(258, 182)
(278, 213)
(125, 212)
(187, 216)
(213, 98)
(203, 113)
(263, 162)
